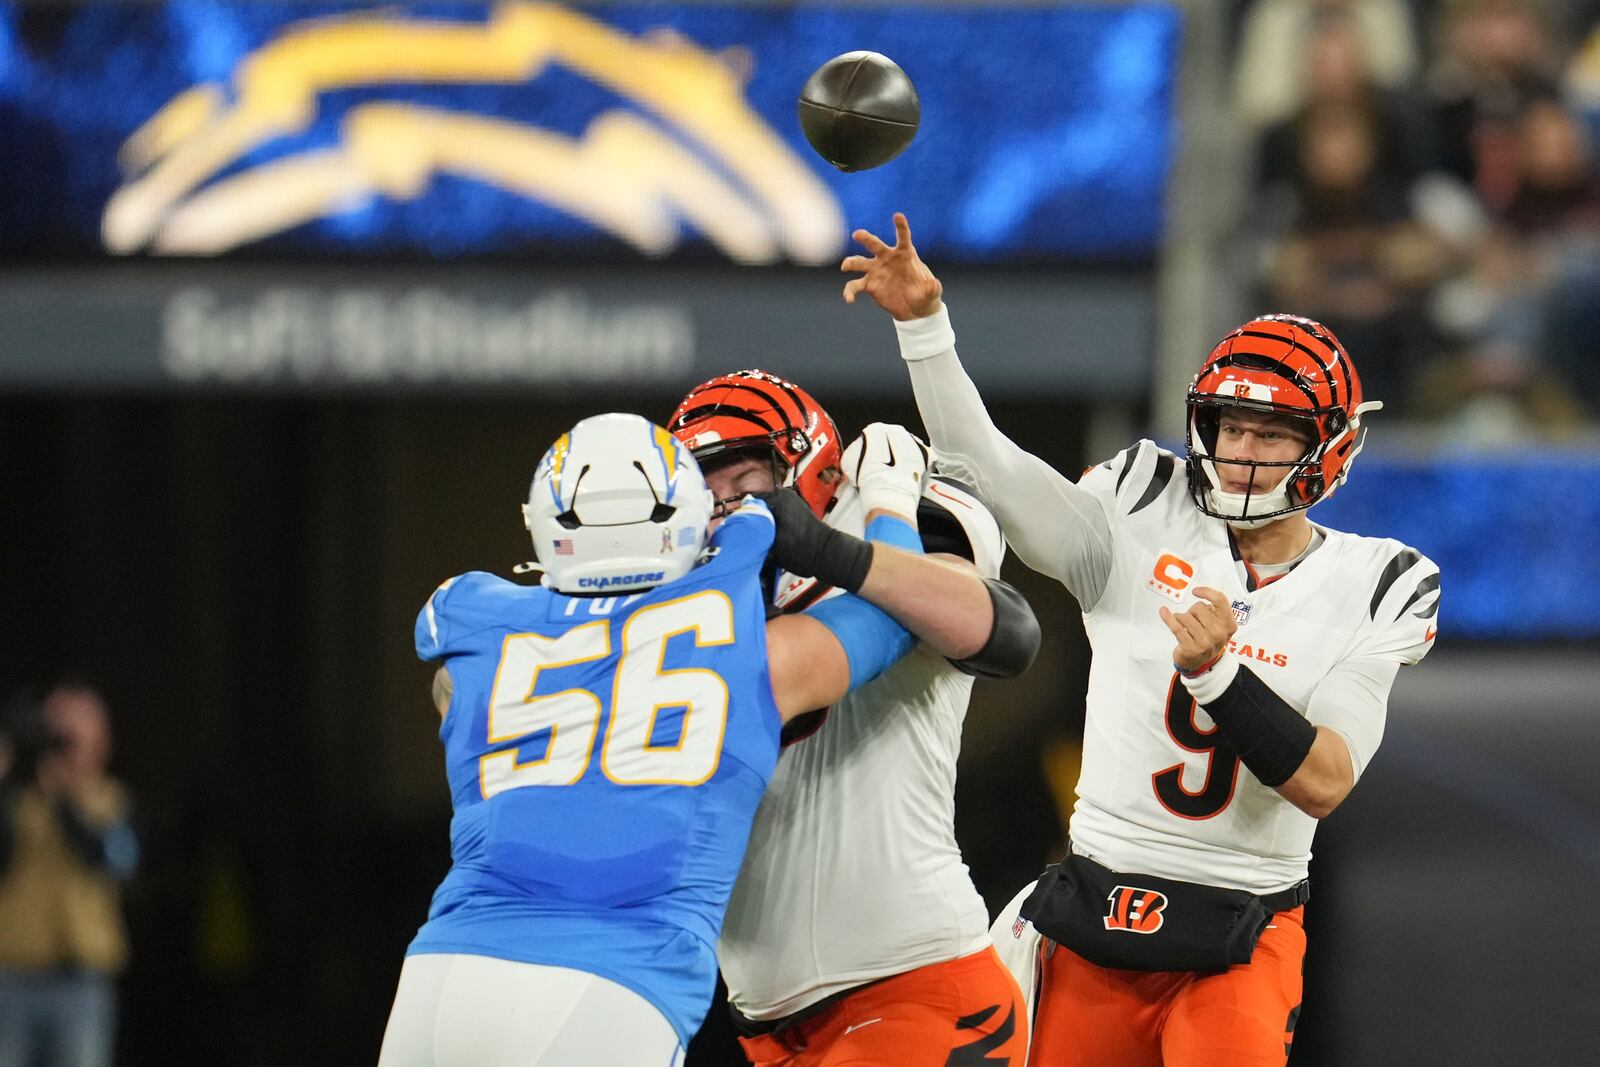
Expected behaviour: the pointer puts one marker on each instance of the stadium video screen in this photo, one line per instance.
(435, 131)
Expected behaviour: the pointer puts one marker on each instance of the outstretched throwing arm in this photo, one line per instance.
(1055, 527)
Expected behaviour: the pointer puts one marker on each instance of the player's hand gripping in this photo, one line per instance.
(888, 465)
(1202, 631)
(893, 276)
(805, 545)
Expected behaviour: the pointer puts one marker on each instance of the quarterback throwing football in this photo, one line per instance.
(1243, 657)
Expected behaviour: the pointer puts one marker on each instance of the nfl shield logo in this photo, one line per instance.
(1241, 612)
(1017, 927)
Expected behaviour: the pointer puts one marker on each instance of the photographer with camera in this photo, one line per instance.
(66, 848)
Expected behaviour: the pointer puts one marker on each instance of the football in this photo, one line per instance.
(859, 110)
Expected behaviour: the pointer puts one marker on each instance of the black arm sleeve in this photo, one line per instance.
(1270, 737)
(1014, 640)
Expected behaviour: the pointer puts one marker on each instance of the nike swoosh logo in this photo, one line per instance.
(858, 1026)
(1429, 636)
(933, 487)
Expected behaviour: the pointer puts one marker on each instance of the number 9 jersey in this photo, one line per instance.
(605, 757)
(1161, 791)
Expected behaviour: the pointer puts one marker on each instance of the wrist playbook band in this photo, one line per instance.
(1270, 737)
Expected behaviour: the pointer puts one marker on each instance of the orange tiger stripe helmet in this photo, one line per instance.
(1278, 365)
(754, 410)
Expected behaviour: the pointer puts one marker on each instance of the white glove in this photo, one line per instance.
(887, 465)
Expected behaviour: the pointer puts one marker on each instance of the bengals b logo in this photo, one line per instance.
(1134, 910)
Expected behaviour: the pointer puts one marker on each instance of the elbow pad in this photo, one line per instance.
(872, 640)
(1014, 640)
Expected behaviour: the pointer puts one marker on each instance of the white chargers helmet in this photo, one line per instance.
(617, 505)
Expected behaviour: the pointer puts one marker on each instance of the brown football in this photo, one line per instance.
(859, 110)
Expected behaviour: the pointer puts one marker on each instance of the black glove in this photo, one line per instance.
(809, 547)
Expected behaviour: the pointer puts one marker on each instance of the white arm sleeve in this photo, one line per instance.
(1353, 701)
(1054, 526)
(1354, 698)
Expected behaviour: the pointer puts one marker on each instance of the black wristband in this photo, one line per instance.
(842, 560)
(1270, 737)
(805, 545)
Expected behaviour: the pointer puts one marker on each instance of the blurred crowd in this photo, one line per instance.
(1426, 184)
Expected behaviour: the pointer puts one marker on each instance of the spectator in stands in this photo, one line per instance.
(1556, 197)
(1337, 72)
(66, 847)
(1581, 83)
(1495, 58)
(1270, 90)
(1343, 247)
(1525, 316)
(1558, 206)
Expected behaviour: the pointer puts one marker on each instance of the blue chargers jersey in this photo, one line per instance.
(605, 757)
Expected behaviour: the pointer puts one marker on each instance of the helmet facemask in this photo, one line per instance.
(1296, 488)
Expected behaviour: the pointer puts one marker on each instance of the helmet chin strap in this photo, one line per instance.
(1233, 508)
(1250, 524)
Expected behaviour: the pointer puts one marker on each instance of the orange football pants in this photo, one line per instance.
(1089, 1016)
(966, 1011)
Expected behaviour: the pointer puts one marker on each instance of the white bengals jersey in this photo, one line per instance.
(1155, 795)
(853, 872)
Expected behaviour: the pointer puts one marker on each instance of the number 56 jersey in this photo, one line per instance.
(1161, 791)
(605, 757)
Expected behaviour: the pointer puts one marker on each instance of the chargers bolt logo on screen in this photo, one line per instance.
(684, 148)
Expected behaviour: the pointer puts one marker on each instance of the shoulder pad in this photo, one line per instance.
(1135, 477)
(1403, 611)
(952, 519)
(447, 613)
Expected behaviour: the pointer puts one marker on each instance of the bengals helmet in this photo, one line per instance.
(1277, 365)
(751, 410)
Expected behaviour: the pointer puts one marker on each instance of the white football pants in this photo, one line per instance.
(474, 1011)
